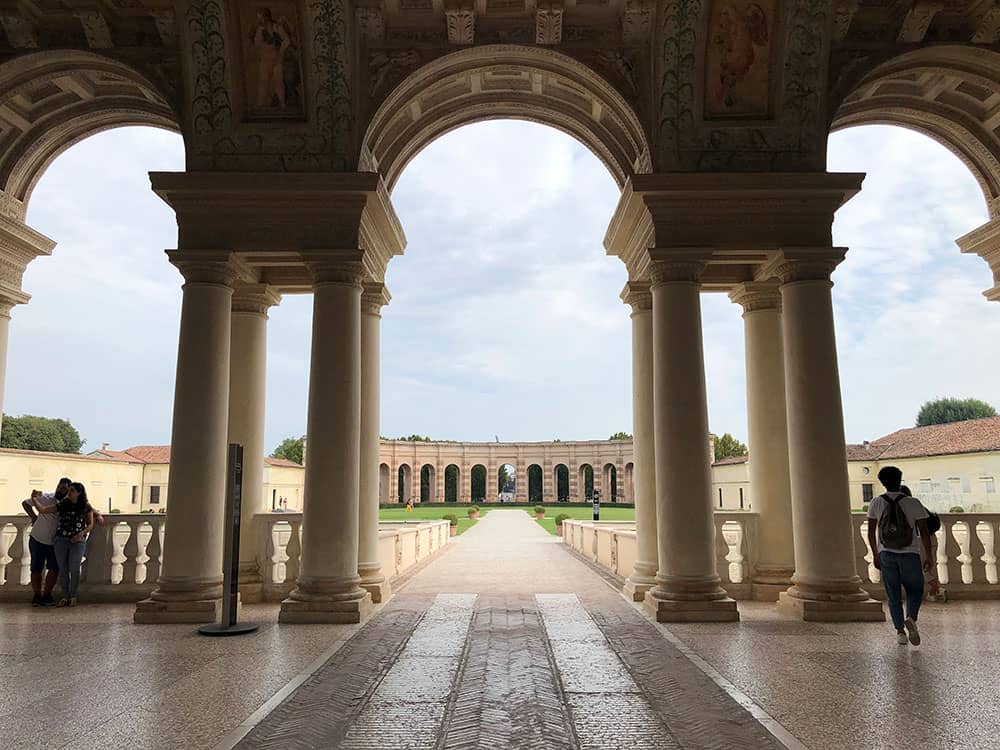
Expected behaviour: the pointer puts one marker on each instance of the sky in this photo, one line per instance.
(505, 320)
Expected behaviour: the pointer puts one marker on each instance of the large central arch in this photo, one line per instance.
(505, 82)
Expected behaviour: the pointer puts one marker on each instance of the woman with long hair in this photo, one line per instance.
(76, 519)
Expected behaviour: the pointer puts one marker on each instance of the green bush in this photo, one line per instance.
(451, 518)
(540, 509)
(864, 507)
(956, 509)
(561, 517)
(473, 509)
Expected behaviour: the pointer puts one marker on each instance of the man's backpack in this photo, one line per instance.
(933, 522)
(894, 527)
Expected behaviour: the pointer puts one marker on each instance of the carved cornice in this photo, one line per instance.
(374, 296)
(254, 299)
(984, 241)
(638, 295)
(806, 264)
(340, 267)
(677, 265)
(216, 267)
(755, 296)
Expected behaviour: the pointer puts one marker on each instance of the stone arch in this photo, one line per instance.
(452, 483)
(404, 483)
(948, 92)
(586, 483)
(560, 481)
(505, 82)
(609, 484)
(428, 483)
(511, 483)
(630, 482)
(53, 99)
(384, 484)
(477, 483)
(535, 491)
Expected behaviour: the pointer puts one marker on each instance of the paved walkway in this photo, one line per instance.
(507, 640)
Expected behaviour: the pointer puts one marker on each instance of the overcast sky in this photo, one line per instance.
(505, 319)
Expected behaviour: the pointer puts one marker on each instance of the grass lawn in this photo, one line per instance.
(608, 513)
(434, 513)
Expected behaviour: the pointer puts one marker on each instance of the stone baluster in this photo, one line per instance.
(986, 533)
(130, 552)
(293, 552)
(154, 549)
(17, 571)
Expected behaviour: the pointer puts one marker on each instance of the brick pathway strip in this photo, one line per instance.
(508, 694)
(320, 713)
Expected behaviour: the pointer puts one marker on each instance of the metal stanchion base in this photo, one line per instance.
(218, 629)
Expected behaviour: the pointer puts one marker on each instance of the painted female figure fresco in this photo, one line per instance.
(738, 59)
(274, 75)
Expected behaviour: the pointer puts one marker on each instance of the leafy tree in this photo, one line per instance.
(478, 483)
(425, 485)
(290, 449)
(621, 436)
(727, 446)
(33, 433)
(535, 491)
(945, 410)
(504, 477)
(416, 439)
(588, 482)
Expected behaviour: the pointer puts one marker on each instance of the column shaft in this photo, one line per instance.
(643, 575)
(825, 584)
(369, 564)
(190, 584)
(687, 585)
(327, 589)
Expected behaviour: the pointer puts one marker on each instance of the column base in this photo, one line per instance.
(830, 610)
(768, 583)
(374, 582)
(712, 608)
(192, 612)
(636, 590)
(326, 611)
(251, 583)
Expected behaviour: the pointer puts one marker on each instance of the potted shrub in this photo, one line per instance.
(539, 511)
(474, 511)
(559, 522)
(452, 520)
(956, 509)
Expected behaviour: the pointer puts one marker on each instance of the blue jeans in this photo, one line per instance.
(69, 555)
(42, 556)
(902, 571)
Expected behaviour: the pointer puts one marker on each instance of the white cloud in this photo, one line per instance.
(505, 318)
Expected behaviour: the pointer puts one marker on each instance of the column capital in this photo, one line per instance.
(668, 265)
(374, 296)
(984, 241)
(254, 298)
(637, 294)
(805, 264)
(336, 267)
(757, 295)
(219, 267)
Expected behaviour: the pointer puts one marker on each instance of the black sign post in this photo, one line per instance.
(231, 553)
(597, 505)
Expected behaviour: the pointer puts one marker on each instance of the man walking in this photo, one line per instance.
(41, 543)
(897, 528)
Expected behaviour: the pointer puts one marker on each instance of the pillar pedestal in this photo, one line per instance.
(826, 586)
(688, 588)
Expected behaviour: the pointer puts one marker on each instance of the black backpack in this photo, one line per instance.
(894, 527)
(933, 522)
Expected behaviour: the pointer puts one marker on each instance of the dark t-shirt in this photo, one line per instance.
(72, 518)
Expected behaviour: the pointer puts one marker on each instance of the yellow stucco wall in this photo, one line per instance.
(283, 482)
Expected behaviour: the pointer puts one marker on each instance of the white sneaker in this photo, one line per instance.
(911, 628)
(901, 638)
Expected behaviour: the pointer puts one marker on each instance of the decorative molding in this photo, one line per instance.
(637, 22)
(461, 25)
(638, 295)
(374, 296)
(345, 267)
(918, 20)
(371, 23)
(206, 266)
(21, 33)
(754, 296)
(166, 26)
(254, 298)
(676, 264)
(96, 28)
(807, 264)
(988, 29)
(843, 15)
(388, 67)
(548, 24)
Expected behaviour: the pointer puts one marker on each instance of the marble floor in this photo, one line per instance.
(506, 639)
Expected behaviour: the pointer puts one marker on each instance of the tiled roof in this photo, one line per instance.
(970, 436)
(281, 462)
(160, 454)
(53, 454)
(863, 452)
(730, 461)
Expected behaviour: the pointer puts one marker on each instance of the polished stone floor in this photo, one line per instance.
(505, 640)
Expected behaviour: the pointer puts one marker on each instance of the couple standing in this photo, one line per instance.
(61, 521)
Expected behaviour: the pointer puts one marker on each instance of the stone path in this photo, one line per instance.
(508, 641)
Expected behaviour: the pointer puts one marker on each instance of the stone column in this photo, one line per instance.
(189, 588)
(373, 297)
(247, 393)
(643, 576)
(687, 584)
(770, 489)
(825, 585)
(328, 589)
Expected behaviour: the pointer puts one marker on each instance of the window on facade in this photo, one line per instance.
(741, 498)
(154, 495)
(990, 484)
(720, 497)
(867, 493)
(135, 493)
